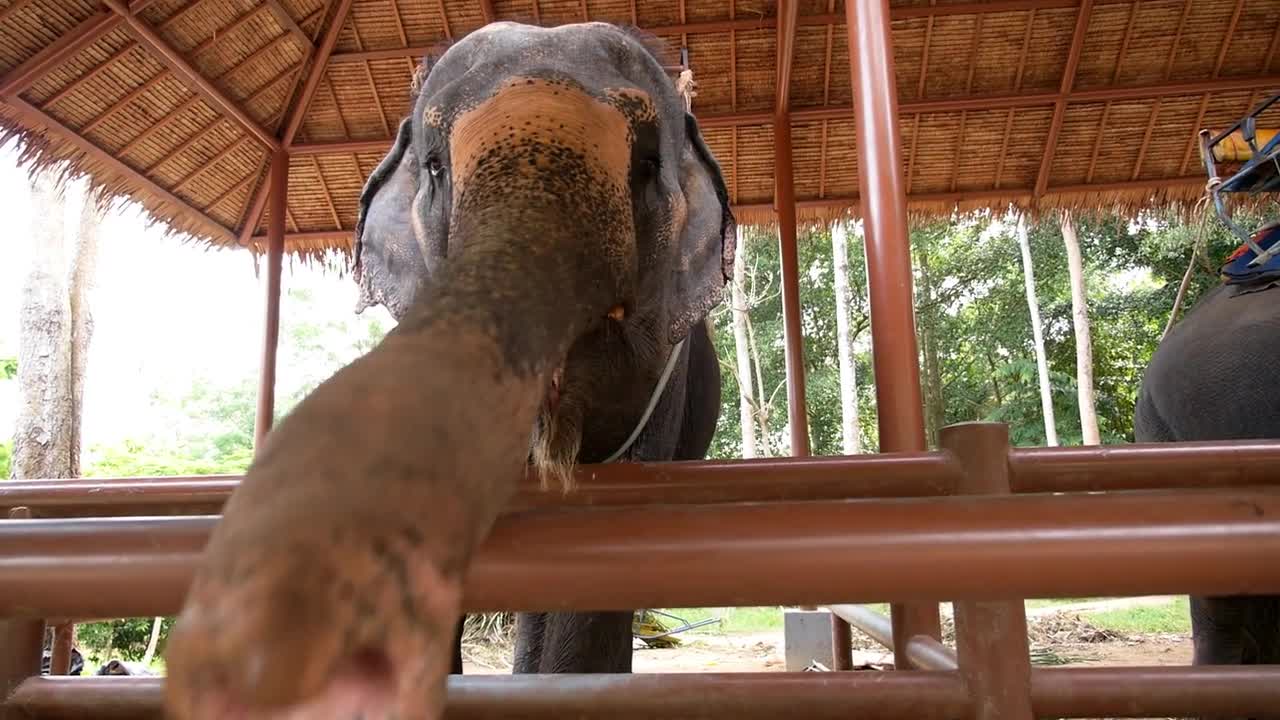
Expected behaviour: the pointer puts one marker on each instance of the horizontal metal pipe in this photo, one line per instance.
(1173, 691)
(742, 696)
(1153, 466)
(873, 624)
(1201, 542)
(680, 483)
(924, 652)
(1146, 466)
(1056, 692)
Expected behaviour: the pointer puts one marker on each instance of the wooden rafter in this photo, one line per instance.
(947, 105)
(1204, 99)
(851, 201)
(1017, 87)
(826, 100)
(1060, 107)
(444, 20)
(786, 45)
(395, 15)
(287, 22)
(337, 106)
(968, 89)
(755, 22)
(37, 117)
(235, 25)
(324, 189)
(208, 164)
(79, 82)
(183, 69)
(920, 83)
(487, 12)
(124, 101)
(319, 62)
(84, 34)
(183, 146)
(1115, 77)
(1168, 73)
(1272, 49)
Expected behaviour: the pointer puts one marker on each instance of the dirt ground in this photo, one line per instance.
(1057, 640)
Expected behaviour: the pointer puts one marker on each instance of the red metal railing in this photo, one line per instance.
(710, 543)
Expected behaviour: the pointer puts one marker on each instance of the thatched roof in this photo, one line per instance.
(175, 102)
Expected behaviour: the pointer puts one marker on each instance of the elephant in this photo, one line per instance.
(1209, 380)
(549, 231)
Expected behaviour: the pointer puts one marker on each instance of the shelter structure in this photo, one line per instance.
(253, 123)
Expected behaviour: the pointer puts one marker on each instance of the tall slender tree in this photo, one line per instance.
(1037, 334)
(844, 340)
(742, 347)
(1084, 340)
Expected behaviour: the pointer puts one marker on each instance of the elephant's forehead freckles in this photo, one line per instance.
(432, 117)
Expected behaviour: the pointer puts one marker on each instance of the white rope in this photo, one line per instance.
(653, 403)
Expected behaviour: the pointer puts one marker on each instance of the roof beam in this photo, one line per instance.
(487, 11)
(319, 62)
(36, 117)
(768, 23)
(851, 201)
(183, 69)
(287, 22)
(786, 44)
(943, 105)
(1064, 93)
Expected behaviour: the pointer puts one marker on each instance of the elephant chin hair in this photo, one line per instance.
(555, 448)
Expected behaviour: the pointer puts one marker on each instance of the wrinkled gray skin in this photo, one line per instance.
(546, 229)
(1212, 378)
(607, 377)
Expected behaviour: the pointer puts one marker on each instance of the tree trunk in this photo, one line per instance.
(153, 642)
(765, 448)
(1033, 305)
(741, 348)
(1084, 340)
(844, 341)
(84, 266)
(42, 443)
(56, 329)
(934, 411)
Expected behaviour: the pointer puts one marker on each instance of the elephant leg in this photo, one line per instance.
(530, 631)
(456, 668)
(572, 642)
(1218, 630)
(1263, 630)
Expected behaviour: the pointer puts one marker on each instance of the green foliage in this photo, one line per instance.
(974, 324)
(1171, 617)
(8, 368)
(120, 639)
(6, 454)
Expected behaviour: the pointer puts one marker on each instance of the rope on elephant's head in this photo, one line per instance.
(653, 403)
(687, 88)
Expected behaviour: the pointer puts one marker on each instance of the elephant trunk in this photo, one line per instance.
(332, 585)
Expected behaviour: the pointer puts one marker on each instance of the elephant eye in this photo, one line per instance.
(434, 166)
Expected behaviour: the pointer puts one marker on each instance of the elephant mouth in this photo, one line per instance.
(551, 401)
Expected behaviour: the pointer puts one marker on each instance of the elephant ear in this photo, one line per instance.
(390, 263)
(704, 255)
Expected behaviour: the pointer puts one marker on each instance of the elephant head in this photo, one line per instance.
(546, 229)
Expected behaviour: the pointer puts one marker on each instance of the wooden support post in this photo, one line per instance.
(278, 201)
(64, 639)
(21, 645)
(884, 212)
(991, 636)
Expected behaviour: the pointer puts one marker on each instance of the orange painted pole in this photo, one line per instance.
(884, 210)
(279, 180)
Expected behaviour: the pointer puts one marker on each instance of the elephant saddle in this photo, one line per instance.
(1236, 270)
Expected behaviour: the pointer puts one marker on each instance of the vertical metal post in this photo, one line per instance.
(21, 645)
(899, 405)
(64, 639)
(785, 205)
(991, 636)
(278, 200)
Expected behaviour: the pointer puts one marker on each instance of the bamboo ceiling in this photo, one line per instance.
(1041, 103)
